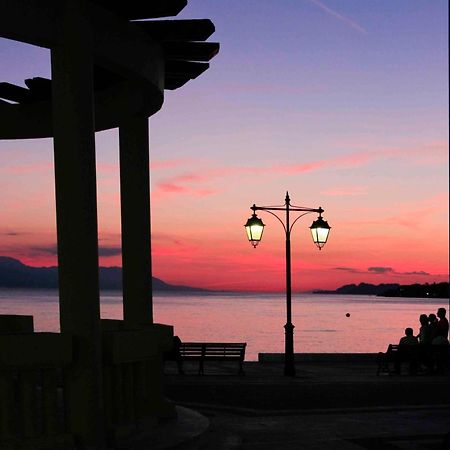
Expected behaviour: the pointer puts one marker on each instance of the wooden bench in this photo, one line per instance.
(395, 355)
(212, 351)
(433, 356)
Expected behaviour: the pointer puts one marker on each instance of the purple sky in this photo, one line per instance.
(343, 103)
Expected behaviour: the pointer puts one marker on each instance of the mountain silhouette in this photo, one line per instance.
(15, 274)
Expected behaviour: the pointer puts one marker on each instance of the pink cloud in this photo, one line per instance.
(265, 88)
(154, 165)
(168, 188)
(107, 168)
(177, 184)
(340, 162)
(172, 188)
(346, 191)
(183, 183)
(27, 168)
(169, 163)
(409, 215)
(300, 168)
(432, 152)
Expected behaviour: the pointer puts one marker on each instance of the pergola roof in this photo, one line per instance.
(138, 9)
(180, 42)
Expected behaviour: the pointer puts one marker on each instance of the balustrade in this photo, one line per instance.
(131, 371)
(32, 407)
(32, 382)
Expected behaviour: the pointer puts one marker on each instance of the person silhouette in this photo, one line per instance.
(440, 342)
(432, 320)
(442, 325)
(425, 339)
(405, 352)
(424, 335)
(408, 338)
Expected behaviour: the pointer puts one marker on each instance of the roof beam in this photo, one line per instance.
(178, 30)
(14, 93)
(190, 51)
(40, 88)
(137, 9)
(173, 82)
(187, 69)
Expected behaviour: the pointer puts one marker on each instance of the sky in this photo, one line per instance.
(342, 103)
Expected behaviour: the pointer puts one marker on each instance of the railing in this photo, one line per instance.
(132, 378)
(33, 368)
(31, 390)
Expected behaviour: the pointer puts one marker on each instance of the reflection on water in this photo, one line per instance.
(321, 324)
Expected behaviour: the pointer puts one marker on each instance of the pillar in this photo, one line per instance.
(76, 215)
(135, 213)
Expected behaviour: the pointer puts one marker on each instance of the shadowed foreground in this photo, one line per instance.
(334, 403)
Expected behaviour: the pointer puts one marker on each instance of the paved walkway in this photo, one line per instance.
(334, 404)
(374, 429)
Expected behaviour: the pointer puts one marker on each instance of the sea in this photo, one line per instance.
(323, 323)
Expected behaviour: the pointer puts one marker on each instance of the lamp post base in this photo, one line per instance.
(289, 366)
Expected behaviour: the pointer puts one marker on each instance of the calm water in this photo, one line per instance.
(320, 321)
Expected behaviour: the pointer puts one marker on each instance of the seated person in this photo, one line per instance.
(408, 338)
(404, 353)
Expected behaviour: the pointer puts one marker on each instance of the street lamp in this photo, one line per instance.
(319, 231)
(254, 228)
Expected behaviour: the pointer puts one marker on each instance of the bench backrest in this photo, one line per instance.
(397, 347)
(405, 350)
(219, 349)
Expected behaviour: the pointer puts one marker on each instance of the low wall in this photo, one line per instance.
(319, 357)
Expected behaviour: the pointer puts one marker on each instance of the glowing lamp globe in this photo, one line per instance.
(254, 228)
(319, 231)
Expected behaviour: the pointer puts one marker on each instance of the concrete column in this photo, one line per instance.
(135, 210)
(76, 214)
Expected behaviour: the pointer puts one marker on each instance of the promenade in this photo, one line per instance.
(334, 402)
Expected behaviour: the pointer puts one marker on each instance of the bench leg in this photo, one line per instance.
(383, 365)
(241, 369)
(180, 366)
(200, 367)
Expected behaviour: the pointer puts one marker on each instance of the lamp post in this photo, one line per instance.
(319, 231)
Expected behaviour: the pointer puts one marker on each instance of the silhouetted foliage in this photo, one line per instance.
(360, 289)
(434, 290)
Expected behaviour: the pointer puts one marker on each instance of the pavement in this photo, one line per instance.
(332, 403)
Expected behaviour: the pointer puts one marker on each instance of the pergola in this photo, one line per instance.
(109, 69)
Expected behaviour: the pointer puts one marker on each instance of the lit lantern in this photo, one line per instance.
(320, 230)
(254, 228)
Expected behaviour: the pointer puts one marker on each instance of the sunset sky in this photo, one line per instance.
(342, 103)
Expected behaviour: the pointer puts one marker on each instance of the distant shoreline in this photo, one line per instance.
(116, 295)
(434, 290)
(16, 275)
